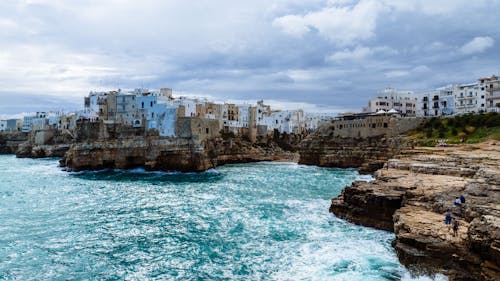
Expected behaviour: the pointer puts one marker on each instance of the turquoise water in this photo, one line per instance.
(264, 221)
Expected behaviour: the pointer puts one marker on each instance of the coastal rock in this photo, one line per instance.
(425, 182)
(10, 141)
(167, 154)
(26, 150)
(369, 153)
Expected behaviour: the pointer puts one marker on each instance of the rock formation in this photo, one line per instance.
(411, 195)
(168, 154)
(369, 154)
(10, 141)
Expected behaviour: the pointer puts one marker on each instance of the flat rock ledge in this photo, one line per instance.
(410, 197)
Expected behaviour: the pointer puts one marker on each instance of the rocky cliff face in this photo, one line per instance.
(369, 154)
(9, 142)
(411, 196)
(168, 154)
(153, 153)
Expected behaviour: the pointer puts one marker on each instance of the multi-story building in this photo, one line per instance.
(492, 87)
(405, 102)
(470, 98)
(126, 112)
(313, 121)
(11, 125)
(286, 121)
(27, 121)
(438, 102)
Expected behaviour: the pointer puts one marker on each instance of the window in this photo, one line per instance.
(142, 104)
(206, 130)
(151, 104)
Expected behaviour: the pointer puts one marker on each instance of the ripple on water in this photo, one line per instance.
(256, 221)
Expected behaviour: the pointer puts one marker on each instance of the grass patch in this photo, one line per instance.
(468, 128)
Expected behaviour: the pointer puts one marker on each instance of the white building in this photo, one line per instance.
(438, 102)
(3, 125)
(470, 98)
(27, 122)
(405, 102)
(492, 87)
(286, 121)
(313, 121)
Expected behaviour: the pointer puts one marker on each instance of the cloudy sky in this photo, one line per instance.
(318, 54)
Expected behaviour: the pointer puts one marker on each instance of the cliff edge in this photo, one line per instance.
(411, 195)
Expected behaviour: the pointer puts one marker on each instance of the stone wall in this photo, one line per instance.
(361, 143)
(197, 128)
(372, 126)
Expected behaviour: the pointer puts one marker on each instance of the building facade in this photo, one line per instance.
(405, 102)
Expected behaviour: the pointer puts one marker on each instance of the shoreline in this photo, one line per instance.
(410, 196)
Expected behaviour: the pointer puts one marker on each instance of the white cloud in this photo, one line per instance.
(51, 69)
(360, 53)
(477, 45)
(396, 73)
(347, 54)
(343, 25)
(292, 25)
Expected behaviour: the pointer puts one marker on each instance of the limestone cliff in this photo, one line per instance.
(322, 148)
(10, 141)
(44, 143)
(410, 197)
(167, 154)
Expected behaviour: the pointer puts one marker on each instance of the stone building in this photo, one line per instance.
(365, 125)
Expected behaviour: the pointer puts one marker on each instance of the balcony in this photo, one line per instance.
(468, 105)
(465, 97)
(495, 88)
(493, 96)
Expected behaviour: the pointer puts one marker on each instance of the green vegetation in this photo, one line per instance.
(467, 128)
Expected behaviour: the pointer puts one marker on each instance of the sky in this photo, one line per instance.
(321, 55)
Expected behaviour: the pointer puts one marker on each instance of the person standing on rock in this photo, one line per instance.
(455, 227)
(462, 199)
(447, 218)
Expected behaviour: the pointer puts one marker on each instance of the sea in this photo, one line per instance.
(259, 221)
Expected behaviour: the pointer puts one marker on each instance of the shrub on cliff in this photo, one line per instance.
(469, 128)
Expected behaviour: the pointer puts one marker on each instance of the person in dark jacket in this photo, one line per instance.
(462, 199)
(447, 218)
(455, 227)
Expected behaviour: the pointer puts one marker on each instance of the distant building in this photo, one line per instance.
(470, 98)
(11, 125)
(492, 86)
(439, 102)
(405, 102)
(313, 121)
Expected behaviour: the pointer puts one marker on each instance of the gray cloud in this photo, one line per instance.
(330, 53)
